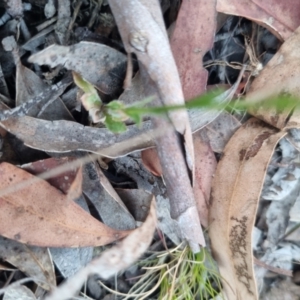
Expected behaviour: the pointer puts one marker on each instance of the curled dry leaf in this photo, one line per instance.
(102, 66)
(151, 161)
(43, 216)
(279, 76)
(291, 9)
(235, 195)
(112, 260)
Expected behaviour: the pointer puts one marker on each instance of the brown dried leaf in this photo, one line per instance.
(35, 262)
(112, 260)
(192, 37)
(205, 167)
(291, 16)
(279, 76)
(62, 181)
(151, 161)
(266, 13)
(44, 217)
(99, 64)
(236, 191)
(67, 260)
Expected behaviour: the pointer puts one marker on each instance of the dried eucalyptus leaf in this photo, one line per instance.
(34, 261)
(106, 201)
(99, 64)
(236, 191)
(33, 106)
(66, 136)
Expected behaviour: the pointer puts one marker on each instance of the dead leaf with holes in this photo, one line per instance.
(235, 194)
(43, 216)
(112, 260)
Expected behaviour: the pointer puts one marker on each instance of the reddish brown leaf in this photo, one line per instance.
(275, 8)
(151, 161)
(43, 216)
(268, 13)
(193, 36)
(205, 166)
(62, 181)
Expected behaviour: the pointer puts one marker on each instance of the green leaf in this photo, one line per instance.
(116, 109)
(135, 117)
(115, 105)
(113, 125)
(90, 99)
(83, 84)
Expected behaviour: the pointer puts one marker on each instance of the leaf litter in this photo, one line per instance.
(41, 119)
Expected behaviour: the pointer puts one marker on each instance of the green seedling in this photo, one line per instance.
(90, 98)
(115, 113)
(176, 274)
